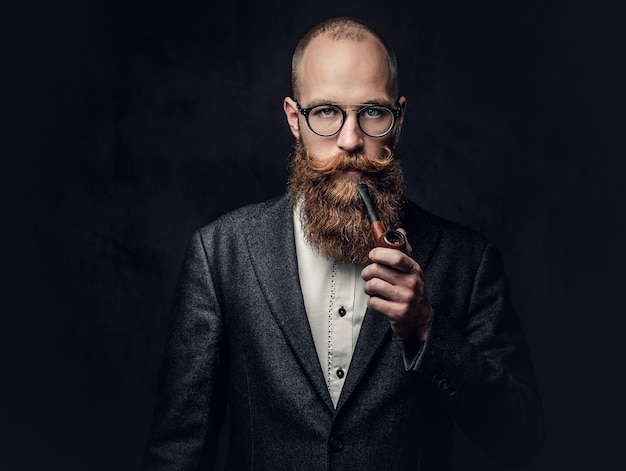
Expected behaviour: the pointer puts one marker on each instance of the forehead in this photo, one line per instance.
(344, 71)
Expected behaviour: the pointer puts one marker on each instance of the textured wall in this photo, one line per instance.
(125, 125)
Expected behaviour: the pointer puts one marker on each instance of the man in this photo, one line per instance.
(333, 354)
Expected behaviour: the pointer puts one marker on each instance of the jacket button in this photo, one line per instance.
(340, 373)
(342, 311)
(335, 444)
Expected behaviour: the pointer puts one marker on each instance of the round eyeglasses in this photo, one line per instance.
(327, 119)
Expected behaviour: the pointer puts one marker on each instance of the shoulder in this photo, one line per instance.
(255, 218)
(249, 216)
(445, 240)
(229, 236)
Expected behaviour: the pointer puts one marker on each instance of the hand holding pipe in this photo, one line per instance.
(392, 238)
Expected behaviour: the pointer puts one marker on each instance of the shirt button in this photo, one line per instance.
(342, 311)
(340, 373)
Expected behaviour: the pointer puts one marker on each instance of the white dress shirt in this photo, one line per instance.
(335, 303)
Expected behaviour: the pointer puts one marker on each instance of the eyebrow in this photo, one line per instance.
(375, 101)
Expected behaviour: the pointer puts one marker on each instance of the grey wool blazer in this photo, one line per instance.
(239, 335)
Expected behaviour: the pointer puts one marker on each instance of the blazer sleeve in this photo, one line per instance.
(191, 391)
(480, 368)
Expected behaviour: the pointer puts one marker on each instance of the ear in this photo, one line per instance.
(402, 105)
(291, 112)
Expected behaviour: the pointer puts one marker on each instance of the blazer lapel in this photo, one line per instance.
(376, 330)
(273, 253)
(422, 235)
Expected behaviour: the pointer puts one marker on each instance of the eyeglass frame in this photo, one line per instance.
(396, 113)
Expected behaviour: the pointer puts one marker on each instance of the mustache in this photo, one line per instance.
(344, 160)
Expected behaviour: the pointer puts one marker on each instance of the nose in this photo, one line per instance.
(350, 137)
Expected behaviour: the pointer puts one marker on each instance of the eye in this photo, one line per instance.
(325, 112)
(372, 112)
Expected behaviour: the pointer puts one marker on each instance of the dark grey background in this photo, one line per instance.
(126, 125)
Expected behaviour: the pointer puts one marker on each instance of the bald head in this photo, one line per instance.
(340, 30)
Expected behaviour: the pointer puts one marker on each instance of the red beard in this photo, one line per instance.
(332, 214)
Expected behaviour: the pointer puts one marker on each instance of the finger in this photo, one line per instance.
(395, 259)
(406, 293)
(392, 276)
(389, 309)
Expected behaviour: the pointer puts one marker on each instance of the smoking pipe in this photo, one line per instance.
(392, 238)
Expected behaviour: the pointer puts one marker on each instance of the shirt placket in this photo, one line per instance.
(342, 332)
